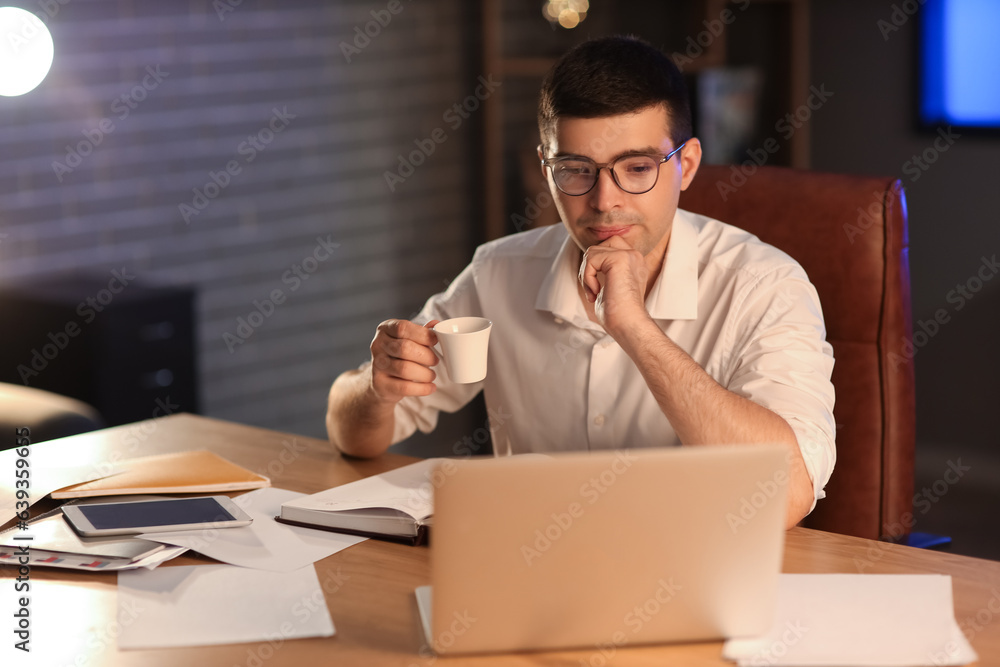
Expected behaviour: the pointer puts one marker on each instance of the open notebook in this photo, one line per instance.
(396, 505)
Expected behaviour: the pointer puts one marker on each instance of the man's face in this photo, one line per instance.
(643, 220)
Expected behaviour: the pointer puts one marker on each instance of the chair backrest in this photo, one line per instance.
(849, 234)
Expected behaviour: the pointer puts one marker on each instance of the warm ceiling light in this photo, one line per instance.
(568, 18)
(26, 51)
(567, 13)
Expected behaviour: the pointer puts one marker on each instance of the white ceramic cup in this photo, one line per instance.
(464, 344)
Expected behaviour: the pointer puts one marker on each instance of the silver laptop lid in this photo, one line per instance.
(614, 547)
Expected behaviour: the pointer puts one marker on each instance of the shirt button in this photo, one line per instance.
(559, 320)
(599, 420)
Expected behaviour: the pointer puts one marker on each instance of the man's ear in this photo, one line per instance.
(541, 156)
(690, 161)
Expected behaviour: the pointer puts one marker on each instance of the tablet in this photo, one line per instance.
(155, 516)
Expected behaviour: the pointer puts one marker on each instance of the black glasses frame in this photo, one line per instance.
(551, 162)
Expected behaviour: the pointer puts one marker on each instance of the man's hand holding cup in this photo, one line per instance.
(404, 352)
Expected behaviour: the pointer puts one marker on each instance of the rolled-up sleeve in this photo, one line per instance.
(781, 360)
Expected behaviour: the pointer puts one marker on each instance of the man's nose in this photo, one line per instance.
(606, 194)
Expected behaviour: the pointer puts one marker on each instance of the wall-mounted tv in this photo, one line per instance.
(960, 63)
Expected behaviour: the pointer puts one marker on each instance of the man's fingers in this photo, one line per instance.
(402, 369)
(394, 389)
(409, 350)
(616, 242)
(401, 360)
(409, 330)
(593, 260)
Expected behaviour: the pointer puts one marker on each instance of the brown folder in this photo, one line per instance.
(198, 471)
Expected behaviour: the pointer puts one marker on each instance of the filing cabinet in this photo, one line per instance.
(127, 349)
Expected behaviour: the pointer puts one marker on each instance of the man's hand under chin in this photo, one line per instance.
(614, 277)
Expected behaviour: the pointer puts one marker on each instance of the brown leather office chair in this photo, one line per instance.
(849, 233)
(47, 415)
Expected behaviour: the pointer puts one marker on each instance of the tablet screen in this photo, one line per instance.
(155, 513)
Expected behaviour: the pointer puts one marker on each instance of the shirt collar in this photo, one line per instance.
(674, 295)
(558, 293)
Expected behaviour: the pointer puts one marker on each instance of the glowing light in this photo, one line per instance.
(26, 51)
(567, 13)
(568, 18)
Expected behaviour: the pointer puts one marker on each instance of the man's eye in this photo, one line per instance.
(638, 166)
(638, 169)
(576, 169)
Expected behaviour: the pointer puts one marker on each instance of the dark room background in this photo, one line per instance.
(301, 169)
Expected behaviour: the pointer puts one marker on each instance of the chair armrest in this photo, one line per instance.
(48, 415)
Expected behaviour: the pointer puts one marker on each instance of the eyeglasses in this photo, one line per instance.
(576, 175)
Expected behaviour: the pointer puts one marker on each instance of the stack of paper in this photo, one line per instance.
(49, 541)
(859, 619)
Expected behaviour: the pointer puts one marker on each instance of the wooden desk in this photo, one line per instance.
(369, 587)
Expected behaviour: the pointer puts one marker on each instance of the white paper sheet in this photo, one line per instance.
(859, 619)
(265, 544)
(47, 471)
(71, 624)
(201, 605)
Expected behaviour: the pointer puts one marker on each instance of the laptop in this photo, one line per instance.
(605, 549)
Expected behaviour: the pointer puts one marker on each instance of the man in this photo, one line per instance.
(633, 323)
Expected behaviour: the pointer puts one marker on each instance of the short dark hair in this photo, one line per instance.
(611, 76)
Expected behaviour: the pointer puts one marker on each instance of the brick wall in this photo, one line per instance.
(110, 163)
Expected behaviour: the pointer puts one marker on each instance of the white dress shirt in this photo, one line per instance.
(743, 310)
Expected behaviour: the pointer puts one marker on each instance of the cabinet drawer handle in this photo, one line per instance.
(159, 331)
(154, 379)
